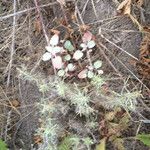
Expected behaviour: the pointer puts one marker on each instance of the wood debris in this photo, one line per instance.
(139, 3)
(125, 7)
(143, 65)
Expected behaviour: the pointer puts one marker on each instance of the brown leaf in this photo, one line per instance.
(118, 144)
(15, 103)
(55, 31)
(110, 115)
(143, 70)
(37, 139)
(145, 49)
(125, 7)
(84, 28)
(143, 66)
(102, 145)
(37, 26)
(139, 3)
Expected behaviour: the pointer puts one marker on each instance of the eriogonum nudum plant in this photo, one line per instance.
(64, 57)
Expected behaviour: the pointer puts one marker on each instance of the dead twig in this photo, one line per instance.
(104, 47)
(12, 45)
(94, 9)
(127, 68)
(79, 14)
(116, 45)
(83, 10)
(26, 10)
(41, 19)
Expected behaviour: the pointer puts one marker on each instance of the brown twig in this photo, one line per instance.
(12, 45)
(127, 68)
(44, 31)
(26, 10)
(116, 45)
(99, 45)
(41, 19)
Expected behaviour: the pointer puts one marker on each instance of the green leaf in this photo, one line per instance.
(66, 144)
(97, 82)
(102, 145)
(69, 142)
(78, 55)
(75, 141)
(61, 73)
(68, 45)
(145, 138)
(97, 64)
(91, 44)
(67, 57)
(71, 67)
(54, 40)
(57, 49)
(3, 145)
(87, 141)
(90, 74)
(46, 56)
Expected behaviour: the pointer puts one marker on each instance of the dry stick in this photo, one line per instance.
(80, 16)
(26, 10)
(148, 108)
(89, 57)
(11, 105)
(94, 8)
(29, 32)
(12, 45)
(84, 7)
(19, 107)
(126, 31)
(107, 19)
(44, 31)
(64, 14)
(87, 52)
(17, 25)
(41, 19)
(138, 129)
(7, 124)
(6, 42)
(16, 30)
(99, 45)
(127, 68)
(117, 46)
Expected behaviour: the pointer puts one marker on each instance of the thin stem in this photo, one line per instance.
(12, 45)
